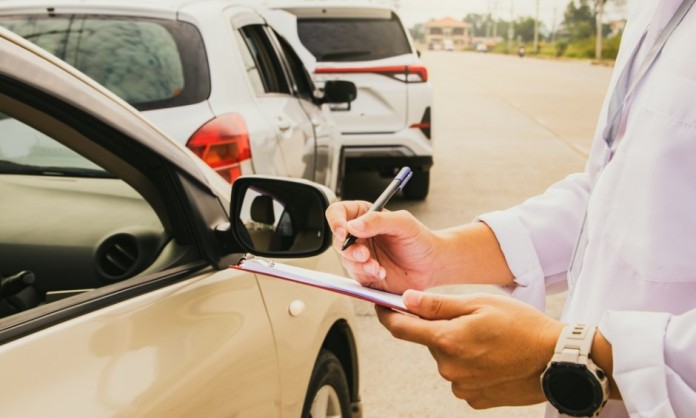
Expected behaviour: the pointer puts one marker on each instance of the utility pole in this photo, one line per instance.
(599, 9)
(511, 29)
(536, 29)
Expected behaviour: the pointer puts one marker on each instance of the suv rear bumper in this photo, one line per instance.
(383, 158)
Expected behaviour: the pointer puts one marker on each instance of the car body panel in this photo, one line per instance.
(207, 336)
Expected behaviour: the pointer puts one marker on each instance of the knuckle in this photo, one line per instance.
(447, 372)
(445, 343)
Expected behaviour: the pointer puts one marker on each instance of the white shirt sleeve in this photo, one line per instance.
(538, 237)
(657, 351)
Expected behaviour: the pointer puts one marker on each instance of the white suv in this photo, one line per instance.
(389, 124)
(211, 74)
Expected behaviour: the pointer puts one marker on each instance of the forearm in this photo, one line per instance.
(471, 254)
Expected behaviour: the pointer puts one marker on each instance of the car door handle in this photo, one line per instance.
(284, 124)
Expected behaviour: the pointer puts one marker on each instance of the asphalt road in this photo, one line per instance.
(504, 130)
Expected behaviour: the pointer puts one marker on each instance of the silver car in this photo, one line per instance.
(116, 296)
(212, 74)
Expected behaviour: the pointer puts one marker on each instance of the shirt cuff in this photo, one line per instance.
(637, 340)
(521, 257)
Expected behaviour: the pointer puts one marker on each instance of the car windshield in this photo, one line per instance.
(149, 63)
(24, 150)
(361, 39)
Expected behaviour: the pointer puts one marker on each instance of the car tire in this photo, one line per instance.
(417, 188)
(327, 394)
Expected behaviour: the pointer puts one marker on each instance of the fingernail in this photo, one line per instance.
(412, 298)
(382, 274)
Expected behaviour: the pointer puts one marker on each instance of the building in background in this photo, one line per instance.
(448, 34)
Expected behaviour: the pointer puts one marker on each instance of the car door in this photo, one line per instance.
(295, 133)
(143, 327)
(325, 129)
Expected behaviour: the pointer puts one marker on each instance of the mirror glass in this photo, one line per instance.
(279, 218)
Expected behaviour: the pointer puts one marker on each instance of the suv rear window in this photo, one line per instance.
(361, 39)
(149, 63)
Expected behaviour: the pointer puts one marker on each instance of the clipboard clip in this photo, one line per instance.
(249, 256)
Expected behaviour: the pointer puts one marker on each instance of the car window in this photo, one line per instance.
(266, 59)
(252, 71)
(68, 225)
(149, 63)
(303, 82)
(361, 39)
(24, 150)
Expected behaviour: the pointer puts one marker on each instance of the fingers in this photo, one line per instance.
(368, 273)
(338, 214)
(407, 327)
(437, 306)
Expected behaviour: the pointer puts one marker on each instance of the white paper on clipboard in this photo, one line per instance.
(322, 280)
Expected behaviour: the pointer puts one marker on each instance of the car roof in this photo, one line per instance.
(334, 9)
(89, 95)
(145, 8)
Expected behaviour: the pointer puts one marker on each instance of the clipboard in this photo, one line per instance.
(327, 281)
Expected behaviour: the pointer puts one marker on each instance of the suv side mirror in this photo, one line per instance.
(339, 91)
(280, 217)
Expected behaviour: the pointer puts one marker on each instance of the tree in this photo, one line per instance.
(579, 20)
(524, 28)
(599, 13)
(478, 22)
(418, 32)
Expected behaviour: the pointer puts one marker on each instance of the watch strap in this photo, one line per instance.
(574, 343)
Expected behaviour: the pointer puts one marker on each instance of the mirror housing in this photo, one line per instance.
(280, 217)
(339, 91)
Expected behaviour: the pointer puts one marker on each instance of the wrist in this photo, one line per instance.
(471, 254)
(572, 382)
(603, 357)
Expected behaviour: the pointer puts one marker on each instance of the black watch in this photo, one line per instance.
(572, 383)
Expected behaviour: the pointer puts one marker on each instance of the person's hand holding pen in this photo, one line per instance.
(392, 251)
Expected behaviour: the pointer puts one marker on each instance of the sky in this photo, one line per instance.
(420, 11)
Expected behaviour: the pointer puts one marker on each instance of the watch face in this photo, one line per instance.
(572, 389)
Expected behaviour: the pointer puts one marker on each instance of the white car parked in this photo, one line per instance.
(389, 124)
(212, 74)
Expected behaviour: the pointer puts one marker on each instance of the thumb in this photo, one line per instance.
(437, 306)
(399, 223)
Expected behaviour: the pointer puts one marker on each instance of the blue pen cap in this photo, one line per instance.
(403, 177)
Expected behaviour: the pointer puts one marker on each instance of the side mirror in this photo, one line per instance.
(339, 91)
(280, 217)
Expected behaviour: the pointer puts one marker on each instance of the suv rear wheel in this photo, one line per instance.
(417, 188)
(327, 395)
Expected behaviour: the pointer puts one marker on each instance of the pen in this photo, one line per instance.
(396, 185)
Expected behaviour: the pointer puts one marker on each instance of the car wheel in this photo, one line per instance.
(327, 395)
(417, 188)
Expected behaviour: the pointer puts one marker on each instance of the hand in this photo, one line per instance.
(492, 349)
(394, 251)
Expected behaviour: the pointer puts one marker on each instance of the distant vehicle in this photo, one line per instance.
(448, 45)
(481, 47)
(116, 295)
(212, 74)
(389, 125)
(521, 51)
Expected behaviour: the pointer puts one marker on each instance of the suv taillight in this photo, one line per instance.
(405, 73)
(223, 144)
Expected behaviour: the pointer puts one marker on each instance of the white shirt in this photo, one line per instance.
(638, 277)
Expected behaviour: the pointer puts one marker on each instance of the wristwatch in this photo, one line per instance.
(572, 383)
